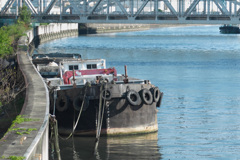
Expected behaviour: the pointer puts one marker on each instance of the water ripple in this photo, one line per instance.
(197, 68)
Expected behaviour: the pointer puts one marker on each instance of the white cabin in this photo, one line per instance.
(83, 64)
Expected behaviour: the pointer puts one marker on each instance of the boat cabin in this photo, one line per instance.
(67, 71)
(83, 64)
(77, 71)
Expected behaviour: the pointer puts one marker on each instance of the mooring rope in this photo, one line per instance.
(79, 114)
(54, 136)
(99, 122)
(100, 116)
(54, 125)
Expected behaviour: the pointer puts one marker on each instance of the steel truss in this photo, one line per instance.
(128, 11)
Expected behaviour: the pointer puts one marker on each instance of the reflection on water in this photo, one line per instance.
(112, 148)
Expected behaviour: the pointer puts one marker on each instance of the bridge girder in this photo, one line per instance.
(128, 11)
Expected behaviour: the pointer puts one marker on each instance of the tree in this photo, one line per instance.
(5, 43)
(25, 15)
(9, 35)
(12, 83)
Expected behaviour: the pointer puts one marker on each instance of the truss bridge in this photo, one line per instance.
(126, 11)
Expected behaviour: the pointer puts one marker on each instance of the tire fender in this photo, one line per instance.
(146, 96)
(160, 100)
(156, 94)
(134, 98)
(62, 103)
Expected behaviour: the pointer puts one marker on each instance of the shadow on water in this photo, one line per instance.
(124, 147)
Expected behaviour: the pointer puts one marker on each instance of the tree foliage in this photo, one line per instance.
(25, 15)
(5, 42)
(10, 85)
(9, 35)
(11, 81)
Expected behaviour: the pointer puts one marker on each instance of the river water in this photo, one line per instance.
(196, 67)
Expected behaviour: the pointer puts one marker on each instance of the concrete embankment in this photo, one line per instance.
(54, 31)
(110, 28)
(46, 33)
(35, 109)
(33, 145)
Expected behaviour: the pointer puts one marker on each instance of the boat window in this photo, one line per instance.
(71, 67)
(91, 66)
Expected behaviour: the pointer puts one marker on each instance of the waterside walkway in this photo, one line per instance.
(36, 105)
(36, 108)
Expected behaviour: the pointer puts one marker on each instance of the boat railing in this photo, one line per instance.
(82, 80)
(90, 78)
(109, 78)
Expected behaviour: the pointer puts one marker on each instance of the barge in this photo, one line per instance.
(86, 97)
(229, 29)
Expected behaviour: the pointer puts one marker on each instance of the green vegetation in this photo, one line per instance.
(13, 157)
(16, 157)
(11, 81)
(20, 131)
(9, 35)
(5, 43)
(20, 119)
(44, 24)
(25, 16)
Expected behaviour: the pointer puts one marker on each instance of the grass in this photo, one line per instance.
(20, 131)
(13, 157)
